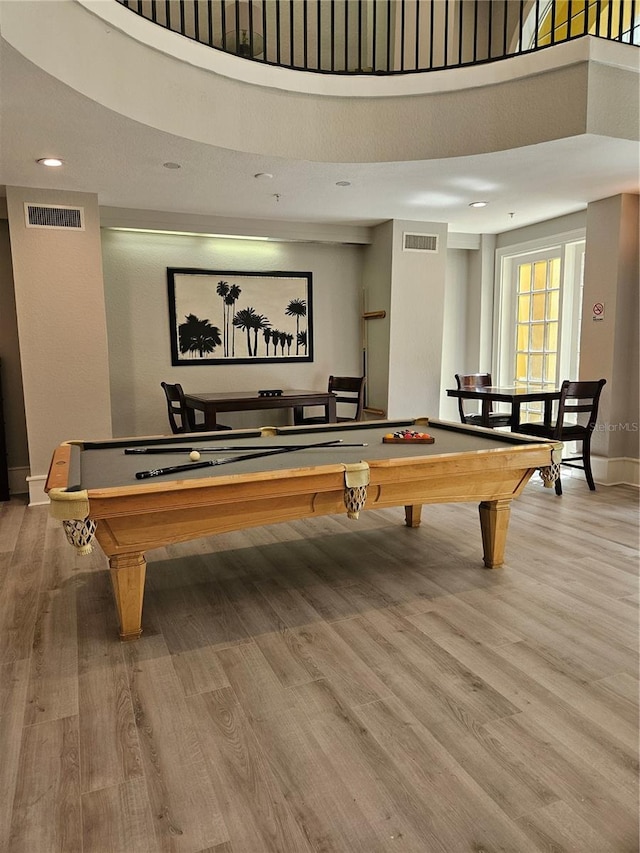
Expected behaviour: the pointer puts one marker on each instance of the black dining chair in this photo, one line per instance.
(580, 399)
(349, 391)
(181, 417)
(479, 380)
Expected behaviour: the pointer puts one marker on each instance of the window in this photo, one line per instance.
(552, 22)
(537, 320)
(538, 317)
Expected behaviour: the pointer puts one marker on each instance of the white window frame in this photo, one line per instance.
(570, 246)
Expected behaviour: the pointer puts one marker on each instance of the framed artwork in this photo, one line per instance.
(226, 317)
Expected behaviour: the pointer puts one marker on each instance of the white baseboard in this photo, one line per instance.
(622, 470)
(37, 494)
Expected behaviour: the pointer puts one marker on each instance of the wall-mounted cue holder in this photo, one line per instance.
(270, 392)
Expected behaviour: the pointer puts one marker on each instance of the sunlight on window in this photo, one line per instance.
(537, 312)
(604, 18)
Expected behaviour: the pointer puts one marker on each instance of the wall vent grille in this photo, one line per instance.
(419, 242)
(54, 216)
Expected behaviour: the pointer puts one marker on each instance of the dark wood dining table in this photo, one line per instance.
(210, 403)
(508, 394)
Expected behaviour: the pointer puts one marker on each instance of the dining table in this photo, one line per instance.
(210, 403)
(515, 395)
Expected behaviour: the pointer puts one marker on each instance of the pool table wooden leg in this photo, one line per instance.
(127, 576)
(412, 514)
(494, 522)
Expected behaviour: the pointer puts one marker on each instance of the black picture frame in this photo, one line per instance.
(232, 317)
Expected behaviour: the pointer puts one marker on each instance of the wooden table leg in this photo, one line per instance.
(494, 523)
(127, 576)
(515, 416)
(412, 514)
(210, 418)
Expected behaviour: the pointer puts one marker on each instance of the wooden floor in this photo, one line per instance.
(329, 686)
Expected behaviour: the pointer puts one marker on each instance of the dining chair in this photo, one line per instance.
(479, 380)
(181, 417)
(349, 391)
(580, 399)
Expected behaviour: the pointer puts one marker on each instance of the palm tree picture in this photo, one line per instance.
(231, 299)
(198, 337)
(222, 289)
(245, 320)
(297, 308)
(248, 317)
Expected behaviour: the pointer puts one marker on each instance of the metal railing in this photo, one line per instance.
(389, 36)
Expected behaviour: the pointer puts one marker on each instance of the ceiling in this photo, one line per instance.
(123, 162)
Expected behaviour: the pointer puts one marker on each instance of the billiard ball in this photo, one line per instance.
(194, 456)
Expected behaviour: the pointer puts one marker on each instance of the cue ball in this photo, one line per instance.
(194, 456)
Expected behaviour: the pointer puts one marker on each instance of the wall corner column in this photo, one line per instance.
(62, 330)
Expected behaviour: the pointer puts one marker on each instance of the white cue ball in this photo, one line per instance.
(194, 456)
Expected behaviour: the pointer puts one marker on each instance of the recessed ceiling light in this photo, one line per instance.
(172, 165)
(49, 161)
(343, 183)
(479, 204)
(265, 176)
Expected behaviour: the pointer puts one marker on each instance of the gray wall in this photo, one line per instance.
(57, 278)
(377, 297)
(15, 423)
(135, 296)
(609, 346)
(457, 355)
(135, 274)
(548, 228)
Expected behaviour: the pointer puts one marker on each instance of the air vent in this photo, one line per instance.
(419, 242)
(56, 216)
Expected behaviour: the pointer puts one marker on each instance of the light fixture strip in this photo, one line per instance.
(186, 233)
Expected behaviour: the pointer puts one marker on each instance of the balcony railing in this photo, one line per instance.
(389, 36)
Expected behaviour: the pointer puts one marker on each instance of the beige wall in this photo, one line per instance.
(417, 322)
(61, 325)
(405, 350)
(60, 302)
(549, 228)
(531, 100)
(135, 273)
(456, 351)
(377, 297)
(15, 424)
(609, 346)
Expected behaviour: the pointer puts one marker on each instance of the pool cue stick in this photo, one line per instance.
(139, 451)
(176, 469)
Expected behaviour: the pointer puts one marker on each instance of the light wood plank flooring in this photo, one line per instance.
(329, 685)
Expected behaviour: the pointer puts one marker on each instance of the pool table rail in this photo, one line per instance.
(131, 519)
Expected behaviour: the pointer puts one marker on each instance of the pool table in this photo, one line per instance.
(94, 490)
